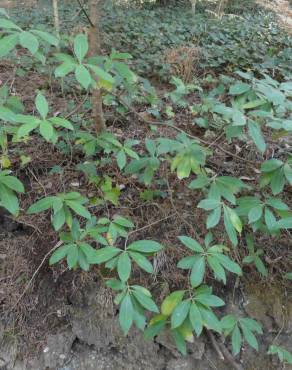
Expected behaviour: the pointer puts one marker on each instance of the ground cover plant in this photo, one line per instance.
(206, 147)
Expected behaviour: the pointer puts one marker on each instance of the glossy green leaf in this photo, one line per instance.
(79, 209)
(198, 272)
(171, 301)
(255, 133)
(255, 214)
(29, 41)
(145, 246)
(213, 218)
(105, 254)
(59, 254)
(80, 47)
(209, 204)
(236, 340)
(83, 76)
(142, 262)
(8, 43)
(12, 183)
(191, 244)
(196, 319)
(46, 130)
(41, 205)
(126, 314)
(124, 266)
(72, 257)
(180, 313)
(145, 301)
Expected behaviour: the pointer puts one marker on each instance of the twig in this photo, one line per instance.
(178, 214)
(85, 13)
(223, 352)
(77, 107)
(229, 357)
(147, 226)
(215, 344)
(19, 221)
(35, 273)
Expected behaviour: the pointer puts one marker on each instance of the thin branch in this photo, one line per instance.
(223, 352)
(35, 273)
(215, 344)
(146, 227)
(218, 146)
(85, 13)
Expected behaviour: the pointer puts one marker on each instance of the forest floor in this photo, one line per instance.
(282, 9)
(53, 318)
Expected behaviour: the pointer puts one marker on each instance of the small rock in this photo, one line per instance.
(180, 364)
(58, 348)
(196, 349)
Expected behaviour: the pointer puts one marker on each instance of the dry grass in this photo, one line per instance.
(183, 61)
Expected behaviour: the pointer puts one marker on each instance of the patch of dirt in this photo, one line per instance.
(283, 10)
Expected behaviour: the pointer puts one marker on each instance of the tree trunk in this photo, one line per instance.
(56, 18)
(95, 49)
(220, 8)
(194, 3)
